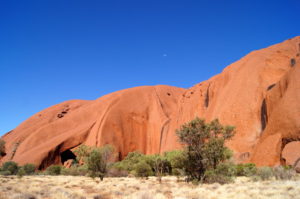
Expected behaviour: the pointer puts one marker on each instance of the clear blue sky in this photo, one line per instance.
(56, 50)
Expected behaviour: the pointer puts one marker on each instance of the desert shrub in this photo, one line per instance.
(54, 170)
(204, 145)
(264, 173)
(83, 170)
(177, 159)
(77, 170)
(159, 164)
(21, 172)
(282, 173)
(129, 162)
(212, 177)
(2, 148)
(226, 169)
(98, 160)
(224, 173)
(82, 153)
(29, 169)
(248, 169)
(4, 173)
(10, 168)
(142, 169)
(72, 171)
(114, 172)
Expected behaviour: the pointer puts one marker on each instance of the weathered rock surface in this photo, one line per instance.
(258, 94)
(291, 153)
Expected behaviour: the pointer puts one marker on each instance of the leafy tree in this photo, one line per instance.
(98, 160)
(204, 145)
(2, 148)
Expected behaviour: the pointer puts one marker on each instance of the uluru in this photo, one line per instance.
(259, 95)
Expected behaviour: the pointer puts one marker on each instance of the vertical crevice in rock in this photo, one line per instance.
(293, 62)
(166, 122)
(263, 115)
(164, 126)
(270, 87)
(207, 97)
(14, 150)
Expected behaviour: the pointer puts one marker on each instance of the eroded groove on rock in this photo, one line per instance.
(166, 123)
(270, 87)
(263, 115)
(207, 97)
(51, 158)
(14, 150)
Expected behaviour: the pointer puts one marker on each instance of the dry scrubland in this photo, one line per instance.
(72, 187)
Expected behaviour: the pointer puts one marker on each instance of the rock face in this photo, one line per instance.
(291, 153)
(258, 94)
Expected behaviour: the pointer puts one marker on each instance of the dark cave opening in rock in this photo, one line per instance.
(67, 155)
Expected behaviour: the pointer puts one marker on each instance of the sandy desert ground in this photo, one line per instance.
(72, 187)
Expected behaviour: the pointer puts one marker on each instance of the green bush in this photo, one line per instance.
(54, 170)
(21, 172)
(83, 170)
(248, 169)
(75, 171)
(4, 173)
(142, 169)
(224, 173)
(129, 162)
(10, 168)
(177, 159)
(211, 176)
(283, 173)
(82, 152)
(226, 169)
(29, 169)
(159, 164)
(114, 172)
(265, 173)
